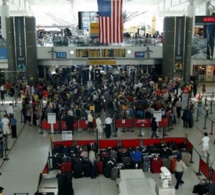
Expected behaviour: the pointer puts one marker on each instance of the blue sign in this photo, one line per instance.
(60, 54)
(139, 54)
(3, 53)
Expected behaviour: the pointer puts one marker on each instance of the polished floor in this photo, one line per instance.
(28, 155)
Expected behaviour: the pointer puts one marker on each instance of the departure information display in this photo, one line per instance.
(113, 53)
(88, 53)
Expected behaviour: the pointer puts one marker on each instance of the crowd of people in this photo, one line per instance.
(120, 96)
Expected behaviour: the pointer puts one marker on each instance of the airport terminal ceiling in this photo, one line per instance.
(65, 12)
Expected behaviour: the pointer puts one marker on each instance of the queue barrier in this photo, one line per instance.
(130, 143)
(213, 176)
(204, 168)
(82, 124)
(108, 143)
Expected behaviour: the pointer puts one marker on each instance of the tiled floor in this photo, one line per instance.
(28, 155)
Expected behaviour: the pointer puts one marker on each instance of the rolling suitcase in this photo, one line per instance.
(172, 165)
(100, 166)
(146, 164)
(94, 170)
(78, 171)
(186, 157)
(156, 164)
(114, 173)
(87, 169)
(66, 166)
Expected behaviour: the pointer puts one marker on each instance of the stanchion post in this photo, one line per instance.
(6, 143)
(21, 116)
(41, 131)
(205, 100)
(191, 159)
(5, 150)
(197, 115)
(212, 125)
(49, 163)
(205, 122)
(114, 128)
(199, 172)
(211, 106)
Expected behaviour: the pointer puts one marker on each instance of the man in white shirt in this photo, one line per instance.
(108, 122)
(5, 125)
(99, 126)
(10, 110)
(205, 144)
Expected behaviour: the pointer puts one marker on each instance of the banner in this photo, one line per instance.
(20, 43)
(179, 42)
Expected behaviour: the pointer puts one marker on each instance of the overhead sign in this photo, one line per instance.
(94, 29)
(51, 118)
(113, 53)
(102, 62)
(88, 53)
(60, 54)
(139, 54)
(204, 20)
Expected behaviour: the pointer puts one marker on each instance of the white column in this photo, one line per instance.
(191, 13)
(4, 14)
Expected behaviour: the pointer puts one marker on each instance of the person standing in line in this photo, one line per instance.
(10, 110)
(90, 122)
(205, 144)
(108, 122)
(5, 125)
(179, 170)
(99, 126)
(13, 123)
(2, 91)
(178, 106)
(154, 128)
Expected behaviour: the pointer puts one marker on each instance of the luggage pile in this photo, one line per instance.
(110, 160)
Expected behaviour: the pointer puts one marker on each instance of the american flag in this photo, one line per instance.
(110, 21)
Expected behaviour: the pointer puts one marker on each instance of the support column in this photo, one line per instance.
(191, 13)
(4, 15)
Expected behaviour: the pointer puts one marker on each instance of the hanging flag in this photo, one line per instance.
(110, 21)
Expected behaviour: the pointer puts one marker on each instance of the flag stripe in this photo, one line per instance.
(110, 26)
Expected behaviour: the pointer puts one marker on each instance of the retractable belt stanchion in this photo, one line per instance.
(212, 124)
(41, 131)
(114, 128)
(205, 122)
(5, 149)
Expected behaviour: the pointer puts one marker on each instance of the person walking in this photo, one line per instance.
(108, 121)
(154, 128)
(70, 122)
(180, 167)
(99, 126)
(205, 144)
(178, 105)
(2, 91)
(13, 123)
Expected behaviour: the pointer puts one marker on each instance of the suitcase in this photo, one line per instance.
(94, 170)
(87, 169)
(156, 164)
(78, 171)
(66, 166)
(172, 165)
(201, 189)
(100, 167)
(167, 163)
(114, 173)
(186, 157)
(103, 154)
(126, 161)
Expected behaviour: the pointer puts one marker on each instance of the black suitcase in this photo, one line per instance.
(126, 161)
(78, 170)
(94, 170)
(201, 189)
(87, 169)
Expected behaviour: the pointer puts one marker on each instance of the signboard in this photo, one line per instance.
(94, 29)
(179, 42)
(139, 54)
(3, 53)
(88, 53)
(51, 118)
(102, 62)
(60, 54)
(113, 53)
(20, 49)
(66, 135)
(158, 115)
(185, 99)
(85, 18)
(202, 20)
